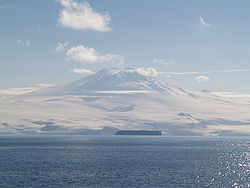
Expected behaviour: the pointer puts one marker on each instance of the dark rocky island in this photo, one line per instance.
(138, 132)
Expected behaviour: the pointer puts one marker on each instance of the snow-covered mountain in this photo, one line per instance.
(110, 81)
(114, 99)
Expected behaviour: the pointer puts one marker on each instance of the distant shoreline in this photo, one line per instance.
(138, 132)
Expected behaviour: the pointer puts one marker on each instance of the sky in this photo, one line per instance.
(192, 44)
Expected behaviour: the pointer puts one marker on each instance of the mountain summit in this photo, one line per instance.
(118, 80)
(127, 80)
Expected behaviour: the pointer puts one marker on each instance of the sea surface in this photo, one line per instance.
(123, 161)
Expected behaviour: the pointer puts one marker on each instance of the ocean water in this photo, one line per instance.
(123, 161)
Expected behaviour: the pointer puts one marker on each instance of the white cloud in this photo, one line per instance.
(203, 23)
(23, 42)
(206, 72)
(44, 85)
(82, 71)
(147, 71)
(81, 16)
(86, 54)
(232, 95)
(123, 91)
(181, 73)
(22, 91)
(232, 70)
(163, 61)
(17, 91)
(61, 46)
(202, 79)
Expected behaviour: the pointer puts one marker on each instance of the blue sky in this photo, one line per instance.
(192, 44)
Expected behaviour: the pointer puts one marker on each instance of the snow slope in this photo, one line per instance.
(114, 99)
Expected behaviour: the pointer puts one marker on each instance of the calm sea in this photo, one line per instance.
(123, 161)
